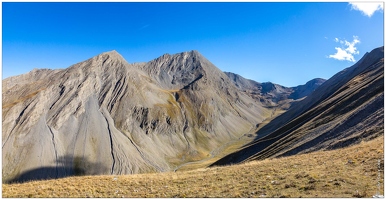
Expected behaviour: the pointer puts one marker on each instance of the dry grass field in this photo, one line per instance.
(348, 172)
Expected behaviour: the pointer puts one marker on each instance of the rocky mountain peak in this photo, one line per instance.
(178, 70)
(193, 53)
(126, 118)
(112, 55)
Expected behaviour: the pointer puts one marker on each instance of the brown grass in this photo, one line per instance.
(348, 172)
(21, 99)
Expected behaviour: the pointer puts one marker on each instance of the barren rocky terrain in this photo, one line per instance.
(105, 116)
(345, 110)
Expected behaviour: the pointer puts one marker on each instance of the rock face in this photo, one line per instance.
(106, 116)
(344, 110)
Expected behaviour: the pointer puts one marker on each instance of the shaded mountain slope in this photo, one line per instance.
(347, 108)
(106, 116)
(306, 89)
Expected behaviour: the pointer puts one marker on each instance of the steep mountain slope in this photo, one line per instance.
(106, 116)
(347, 108)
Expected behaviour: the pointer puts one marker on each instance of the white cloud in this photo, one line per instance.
(367, 9)
(348, 52)
(351, 46)
(342, 55)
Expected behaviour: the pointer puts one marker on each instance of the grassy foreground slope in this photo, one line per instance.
(348, 172)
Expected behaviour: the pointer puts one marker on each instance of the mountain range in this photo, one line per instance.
(107, 116)
(346, 109)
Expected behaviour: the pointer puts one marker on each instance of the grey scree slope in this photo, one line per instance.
(344, 110)
(106, 116)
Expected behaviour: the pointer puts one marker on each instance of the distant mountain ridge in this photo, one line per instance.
(271, 93)
(306, 89)
(344, 110)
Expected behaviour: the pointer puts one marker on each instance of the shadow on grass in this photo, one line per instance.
(65, 166)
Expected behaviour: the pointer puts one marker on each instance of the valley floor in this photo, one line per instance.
(348, 172)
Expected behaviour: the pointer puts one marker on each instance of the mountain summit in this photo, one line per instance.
(107, 116)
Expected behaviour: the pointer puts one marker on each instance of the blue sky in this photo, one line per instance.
(286, 43)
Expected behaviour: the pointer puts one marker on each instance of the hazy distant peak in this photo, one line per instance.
(317, 81)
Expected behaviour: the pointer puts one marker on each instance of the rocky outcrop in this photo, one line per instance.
(344, 110)
(107, 116)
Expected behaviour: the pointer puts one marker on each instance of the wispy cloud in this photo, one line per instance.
(145, 26)
(348, 52)
(367, 9)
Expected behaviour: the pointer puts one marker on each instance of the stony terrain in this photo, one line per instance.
(346, 109)
(106, 116)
